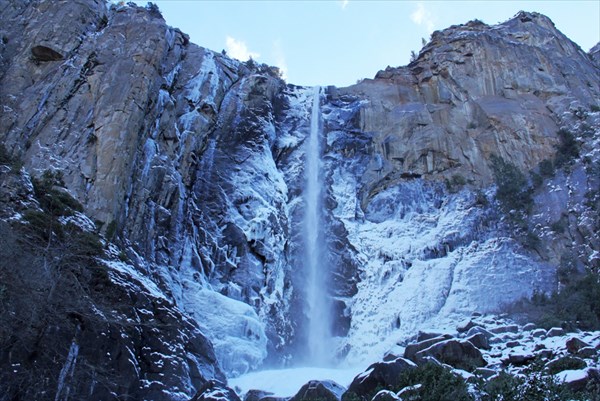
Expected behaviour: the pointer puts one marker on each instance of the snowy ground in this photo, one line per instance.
(287, 382)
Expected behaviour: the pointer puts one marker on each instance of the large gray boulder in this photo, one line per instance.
(325, 390)
(380, 374)
(411, 350)
(458, 354)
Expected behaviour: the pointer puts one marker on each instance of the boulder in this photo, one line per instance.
(512, 344)
(477, 330)
(458, 354)
(410, 393)
(44, 53)
(587, 352)
(215, 390)
(256, 395)
(379, 374)
(323, 390)
(518, 359)
(513, 328)
(578, 379)
(390, 356)
(412, 349)
(529, 327)
(480, 341)
(465, 326)
(565, 363)
(574, 344)
(386, 395)
(555, 332)
(425, 335)
(545, 354)
(538, 333)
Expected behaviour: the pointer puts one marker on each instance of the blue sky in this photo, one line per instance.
(337, 42)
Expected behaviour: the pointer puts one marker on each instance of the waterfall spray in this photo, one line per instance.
(315, 264)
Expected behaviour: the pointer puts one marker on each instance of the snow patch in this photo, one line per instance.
(287, 382)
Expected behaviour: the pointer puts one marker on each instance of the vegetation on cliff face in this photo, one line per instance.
(71, 326)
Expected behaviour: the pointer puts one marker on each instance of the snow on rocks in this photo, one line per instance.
(324, 390)
(415, 239)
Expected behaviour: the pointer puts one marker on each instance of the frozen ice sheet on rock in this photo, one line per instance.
(233, 327)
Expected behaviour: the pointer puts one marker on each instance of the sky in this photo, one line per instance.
(338, 42)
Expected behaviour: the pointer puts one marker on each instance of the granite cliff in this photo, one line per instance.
(188, 166)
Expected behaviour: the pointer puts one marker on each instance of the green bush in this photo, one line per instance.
(546, 168)
(455, 183)
(437, 383)
(513, 192)
(503, 387)
(576, 306)
(7, 159)
(111, 229)
(558, 226)
(4, 155)
(534, 385)
(52, 198)
(567, 150)
(536, 179)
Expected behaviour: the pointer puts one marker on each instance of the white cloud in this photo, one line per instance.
(238, 49)
(344, 4)
(279, 56)
(423, 17)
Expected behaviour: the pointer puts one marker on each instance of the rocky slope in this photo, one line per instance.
(191, 165)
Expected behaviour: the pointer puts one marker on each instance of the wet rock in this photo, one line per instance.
(380, 374)
(587, 352)
(565, 363)
(479, 340)
(458, 354)
(412, 349)
(44, 53)
(215, 390)
(256, 395)
(574, 344)
(579, 379)
(326, 390)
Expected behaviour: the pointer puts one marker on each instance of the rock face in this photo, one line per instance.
(77, 323)
(192, 164)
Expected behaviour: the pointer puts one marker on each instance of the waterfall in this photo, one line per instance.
(315, 265)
